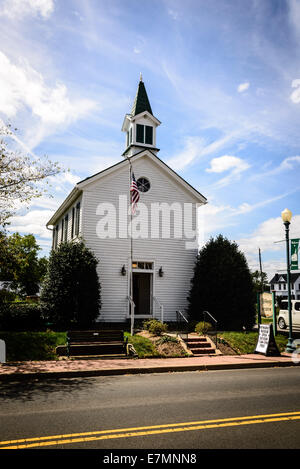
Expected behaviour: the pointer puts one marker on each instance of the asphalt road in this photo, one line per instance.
(258, 408)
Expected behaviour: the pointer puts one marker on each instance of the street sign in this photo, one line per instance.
(266, 344)
(294, 253)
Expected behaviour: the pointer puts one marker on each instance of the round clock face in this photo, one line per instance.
(143, 184)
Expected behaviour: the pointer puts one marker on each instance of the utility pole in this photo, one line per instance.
(261, 272)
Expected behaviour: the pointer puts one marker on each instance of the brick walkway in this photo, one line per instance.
(98, 367)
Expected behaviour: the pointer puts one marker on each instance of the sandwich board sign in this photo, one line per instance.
(266, 344)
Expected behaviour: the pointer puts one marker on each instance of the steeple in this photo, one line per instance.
(140, 125)
(141, 102)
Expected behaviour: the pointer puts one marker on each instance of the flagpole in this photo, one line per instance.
(131, 303)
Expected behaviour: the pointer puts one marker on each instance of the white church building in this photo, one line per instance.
(157, 243)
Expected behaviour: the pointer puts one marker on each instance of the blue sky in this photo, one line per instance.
(223, 77)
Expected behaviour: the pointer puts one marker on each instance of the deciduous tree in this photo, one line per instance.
(20, 176)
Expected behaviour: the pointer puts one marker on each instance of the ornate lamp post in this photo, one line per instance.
(286, 216)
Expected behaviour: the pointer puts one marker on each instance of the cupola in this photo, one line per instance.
(140, 125)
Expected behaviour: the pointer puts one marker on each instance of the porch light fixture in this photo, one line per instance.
(123, 270)
(161, 272)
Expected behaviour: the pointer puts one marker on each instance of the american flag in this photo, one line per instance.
(135, 195)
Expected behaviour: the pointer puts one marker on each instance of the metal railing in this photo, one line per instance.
(132, 308)
(213, 332)
(182, 320)
(161, 308)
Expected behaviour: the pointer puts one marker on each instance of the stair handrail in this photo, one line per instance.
(181, 314)
(216, 322)
(161, 308)
(178, 314)
(132, 304)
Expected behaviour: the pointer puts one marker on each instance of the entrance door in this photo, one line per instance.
(142, 293)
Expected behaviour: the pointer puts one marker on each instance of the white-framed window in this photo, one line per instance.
(144, 134)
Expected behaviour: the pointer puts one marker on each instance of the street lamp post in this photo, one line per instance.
(286, 216)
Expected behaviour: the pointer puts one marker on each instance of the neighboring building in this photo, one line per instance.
(279, 285)
(164, 252)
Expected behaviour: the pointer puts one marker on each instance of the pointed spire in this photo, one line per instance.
(141, 77)
(141, 102)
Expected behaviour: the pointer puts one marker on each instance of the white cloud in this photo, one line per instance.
(173, 13)
(295, 96)
(33, 222)
(286, 165)
(192, 149)
(23, 88)
(226, 163)
(243, 87)
(196, 147)
(15, 9)
(266, 235)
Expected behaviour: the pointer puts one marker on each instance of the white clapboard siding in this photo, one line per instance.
(177, 262)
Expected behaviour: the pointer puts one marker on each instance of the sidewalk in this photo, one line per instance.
(120, 366)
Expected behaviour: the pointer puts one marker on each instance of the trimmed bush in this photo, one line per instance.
(155, 327)
(203, 327)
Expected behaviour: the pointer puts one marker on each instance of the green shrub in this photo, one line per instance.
(166, 339)
(203, 327)
(71, 290)
(22, 317)
(155, 327)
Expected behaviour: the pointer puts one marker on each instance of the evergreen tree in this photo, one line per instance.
(71, 292)
(222, 285)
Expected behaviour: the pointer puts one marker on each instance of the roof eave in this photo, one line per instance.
(74, 194)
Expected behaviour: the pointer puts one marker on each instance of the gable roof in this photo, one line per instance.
(277, 277)
(76, 191)
(153, 157)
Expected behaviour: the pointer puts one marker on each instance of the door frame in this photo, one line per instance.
(152, 285)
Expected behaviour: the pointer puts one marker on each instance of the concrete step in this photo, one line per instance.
(203, 351)
(196, 339)
(193, 345)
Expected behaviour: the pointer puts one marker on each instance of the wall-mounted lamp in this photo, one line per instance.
(123, 270)
(161, 272)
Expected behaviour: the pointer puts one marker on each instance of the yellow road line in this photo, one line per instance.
(147, 430)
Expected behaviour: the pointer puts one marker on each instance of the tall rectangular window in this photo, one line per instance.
(140, 133)
(149, 135)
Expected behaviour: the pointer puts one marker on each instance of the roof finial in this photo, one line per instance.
(141, 77)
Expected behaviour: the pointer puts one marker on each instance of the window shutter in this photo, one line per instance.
(66, 227)
(77, 223)
(73, 222)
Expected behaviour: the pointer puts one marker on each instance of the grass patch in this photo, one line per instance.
(143, 346)
(32, 345)
(245, 343)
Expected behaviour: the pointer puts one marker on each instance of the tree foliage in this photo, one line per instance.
(20, 264)
(260, 279)
(20, 175)
(71, 291)
(222, 285)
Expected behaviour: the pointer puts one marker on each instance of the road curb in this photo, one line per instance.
(142, 370)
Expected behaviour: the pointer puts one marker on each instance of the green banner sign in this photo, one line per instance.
(294, 253)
